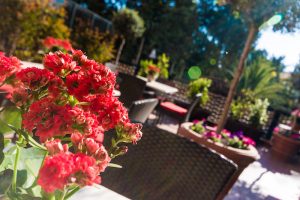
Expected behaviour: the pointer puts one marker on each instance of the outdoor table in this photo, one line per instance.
(160, 87)
(95, 193)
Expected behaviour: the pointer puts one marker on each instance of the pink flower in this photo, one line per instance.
(91, 145)
(55, 147)
(295, 136)
(213, 135)
(248, 141)
(276, 130)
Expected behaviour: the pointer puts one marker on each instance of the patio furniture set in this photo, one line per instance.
(164, 165)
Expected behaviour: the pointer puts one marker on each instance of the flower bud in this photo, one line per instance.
(55, 147)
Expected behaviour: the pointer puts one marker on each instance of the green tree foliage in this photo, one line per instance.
(128, 25)
(98, 46)
(261, 78)
(254, 13)
(169, 28)
(200, 85)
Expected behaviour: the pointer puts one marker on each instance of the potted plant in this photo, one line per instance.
(152, 72)
(285, 142)
(248, 114)
(59, 118)
(235, 146)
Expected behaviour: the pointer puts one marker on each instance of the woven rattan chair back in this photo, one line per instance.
(131, 88)
(141, 109)
(165, 166)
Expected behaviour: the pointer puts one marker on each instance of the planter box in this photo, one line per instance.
(253, 132)
(284, 147)
(239, 156)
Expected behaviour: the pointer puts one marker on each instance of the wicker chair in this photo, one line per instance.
(141, 109)
(166, 166)
(131, 88)
(180, 113)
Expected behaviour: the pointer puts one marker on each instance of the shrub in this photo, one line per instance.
(200, 85)
(97, 45)
(254, 108)
(40, 20)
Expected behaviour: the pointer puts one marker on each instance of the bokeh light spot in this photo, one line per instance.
(194, 72)
(212, 61)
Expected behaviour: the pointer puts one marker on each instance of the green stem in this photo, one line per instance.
(14, 180)
(63, 195)
(72, 192)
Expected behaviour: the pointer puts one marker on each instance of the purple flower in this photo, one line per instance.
(238, 134)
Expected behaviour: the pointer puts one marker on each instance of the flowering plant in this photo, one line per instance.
(53, 44)
(153, 70)
(65, 110)
(287, 131)
(236, 140)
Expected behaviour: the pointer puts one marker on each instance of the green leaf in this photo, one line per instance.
(5, 180)
(12, 116)
(30, 160)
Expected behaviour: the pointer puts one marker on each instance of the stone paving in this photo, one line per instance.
(268, 178)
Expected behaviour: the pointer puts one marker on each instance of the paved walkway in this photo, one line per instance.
(268, 178)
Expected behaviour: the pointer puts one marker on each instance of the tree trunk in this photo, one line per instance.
(137, 59)
(120, 51)
(138, 56)
(251, 34)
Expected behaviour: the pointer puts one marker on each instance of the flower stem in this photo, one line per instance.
(72, 192)
(14, 180)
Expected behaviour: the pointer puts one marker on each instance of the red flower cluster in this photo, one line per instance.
(34, 78)
(72, 98)
(8, 66)
(66, 168)
(51, 42)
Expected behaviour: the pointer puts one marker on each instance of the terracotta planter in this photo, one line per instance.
(239, 156)
(284, 147)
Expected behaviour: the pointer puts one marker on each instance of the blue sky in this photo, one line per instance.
(281, 44)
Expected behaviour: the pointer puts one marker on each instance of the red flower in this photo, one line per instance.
(86, 171)
(153, 68)
(110, 111)
(62, 169)
(8, 66)
(55, 172)
(59, 63)
(47, 118)
(51, 42)
(34, 78)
